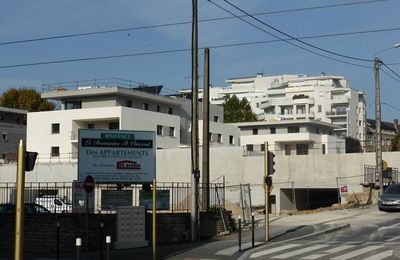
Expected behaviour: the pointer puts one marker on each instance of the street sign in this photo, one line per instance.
(89, 184)
(117, 156)
(79, 198)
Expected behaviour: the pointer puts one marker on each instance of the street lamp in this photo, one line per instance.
(378, 146)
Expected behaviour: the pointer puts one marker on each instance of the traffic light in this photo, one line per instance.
(271, 163)
(30, 159)
(268, 181)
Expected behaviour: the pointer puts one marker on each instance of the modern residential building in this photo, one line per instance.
(296, 97)
(290, 137)
(389, 132)
(12, 129)
(54, 134)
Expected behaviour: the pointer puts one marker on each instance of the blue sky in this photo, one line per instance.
(24, 19)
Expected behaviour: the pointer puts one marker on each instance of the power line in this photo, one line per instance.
(288, 41)
(184, 22)
(288, 35)
(390, 76)
(384, 103)
(92, 58)
(390, 69)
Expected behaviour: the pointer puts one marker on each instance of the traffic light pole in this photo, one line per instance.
(266, 193)
(19, 207)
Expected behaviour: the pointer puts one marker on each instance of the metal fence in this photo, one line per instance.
(57, 196)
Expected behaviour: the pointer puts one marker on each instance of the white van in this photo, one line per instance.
(54, 203)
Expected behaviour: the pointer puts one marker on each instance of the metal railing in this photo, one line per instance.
(56, 196)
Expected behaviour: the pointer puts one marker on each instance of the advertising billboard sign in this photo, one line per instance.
(117, 156)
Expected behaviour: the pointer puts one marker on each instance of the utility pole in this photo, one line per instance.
(194, 219)
(206, 131)
(378, 139)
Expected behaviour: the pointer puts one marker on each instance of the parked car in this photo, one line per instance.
(29, 208)
(54, 204)
(390, 198)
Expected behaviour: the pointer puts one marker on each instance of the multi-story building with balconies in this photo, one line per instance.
(297, 97)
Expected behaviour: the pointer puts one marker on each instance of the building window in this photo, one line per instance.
(317, 130)
(170, 111)
(255, 131)
(172, 131)
(3, 156)
(113, 125)
(231, 139)
(249, 147)
(55, 151)
(73, 105)
(273, 130)
(216, 119)
(128, 103)
(301, 149)
(55, 128)
(210, 137)
(159, 130)
(158, 108)
(2, 117)
(293, 129)
(145, 106)
(288, 149)
(319, 108)
(219, 138)
(4, 136)
(90, 125)
(323, 149)
(262, 147)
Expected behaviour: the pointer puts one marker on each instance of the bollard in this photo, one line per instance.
(101, 240)
(58, 241)
(240, 234)
(252, 229)
(108, 244)
(78, 244)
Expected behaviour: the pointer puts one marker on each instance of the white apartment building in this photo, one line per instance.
(54, 134)
(294, 97)
(290, 137)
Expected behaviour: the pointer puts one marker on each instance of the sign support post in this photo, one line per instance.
(154, 226)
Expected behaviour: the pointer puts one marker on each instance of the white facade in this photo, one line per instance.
(54, 134)
(290, 137)
(293, 97)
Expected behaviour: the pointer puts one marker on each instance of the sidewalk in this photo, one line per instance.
(281, 228)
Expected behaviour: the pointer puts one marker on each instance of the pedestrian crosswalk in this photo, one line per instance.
(308, 251)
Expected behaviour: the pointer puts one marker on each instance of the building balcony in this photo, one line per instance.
(336, 113)
(340, 100)
(302, 101)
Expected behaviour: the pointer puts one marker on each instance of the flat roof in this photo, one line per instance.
(13, 110)
(62, 94)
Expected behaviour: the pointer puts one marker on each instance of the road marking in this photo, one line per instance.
(356, 253)
(314, 256)
(392, 239)
(380, 256)
(300, 251)
(273, 250)
(338, 249)
(233, 249)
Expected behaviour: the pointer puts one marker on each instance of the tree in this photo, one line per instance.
(353, 145)
(238, 111)
(396, 143)
(25, 99)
